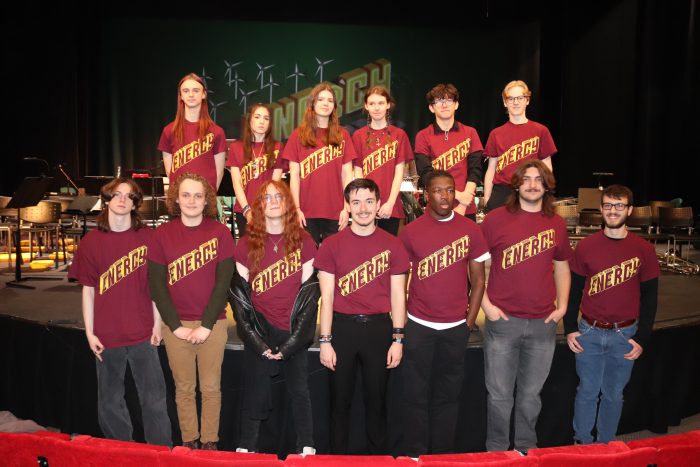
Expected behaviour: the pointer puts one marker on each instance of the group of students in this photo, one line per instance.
(275, 274)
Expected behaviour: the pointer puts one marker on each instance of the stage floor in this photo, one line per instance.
(58, 301)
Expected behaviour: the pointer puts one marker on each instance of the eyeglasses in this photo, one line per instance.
(278, 197)
(518, 99)
(618, 206)
(443, 101)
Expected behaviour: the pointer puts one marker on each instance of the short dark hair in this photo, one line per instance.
(360, 184)
(617, 192)
(442, 90)
(436, 174)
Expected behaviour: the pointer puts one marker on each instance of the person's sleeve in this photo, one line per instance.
(165, 143)
(648, 300)
(158, 283)
(572, 309)
(290, 150)
(423, 161)
(475, 167)
(349, 153)
(280, 163)
(547, 146)
(405, 152)
(219, 296)
(400, 263)
(324, 258)
(219, 141)
(357, 144)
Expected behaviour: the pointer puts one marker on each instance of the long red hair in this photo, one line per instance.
(247, 138)
(307, 129)
(257, 232)
(205, 120)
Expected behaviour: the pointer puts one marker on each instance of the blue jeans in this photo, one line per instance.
(602, 370)
(518, 351)
(113, 416)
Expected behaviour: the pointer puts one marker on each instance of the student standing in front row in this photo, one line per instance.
(320, 154)
(527, 295)
(447, 254)
(122, 324)
(253, 159)
(617, 274)
(192, 142)
(362, 272)
(190, 271)
(383, 151)
(276, 313)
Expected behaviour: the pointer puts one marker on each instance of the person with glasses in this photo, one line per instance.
(449, 145)
(190, 269)
(320, 154)
(253, 160)
(527, 294)
(362, 273)
(193, 142)
(512, 143)
(274, 297)
(447, 254)
(383, 151)
(122, 325)
(614, 283)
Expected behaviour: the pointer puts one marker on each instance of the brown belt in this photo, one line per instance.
(603, 325)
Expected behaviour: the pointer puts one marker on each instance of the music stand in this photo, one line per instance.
(226, 190)
(82, 205)
(145, 179)
(29, 193)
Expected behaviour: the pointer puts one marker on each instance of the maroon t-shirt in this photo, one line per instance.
(450, 154)
(191, 255)
(613, 269)
(379, 160)
(513, 144)
(193, 155)
(254, 173)
(276, 284)
(114, 263)
(320, 169)
(523, 245)
(362, 267)
(440, 253)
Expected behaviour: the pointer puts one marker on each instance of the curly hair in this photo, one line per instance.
(307, 129)
(257, 231)
(210, 207)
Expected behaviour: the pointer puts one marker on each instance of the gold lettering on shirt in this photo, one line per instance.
(443, 258)
(319, 158)
(452, 156)
(192, 261)
(277, 272)
(614, 276)
(518, 152)
(255, 168)
(364, 273)
(191, 151)
(122, 267)
(528, 248)
(379, 157)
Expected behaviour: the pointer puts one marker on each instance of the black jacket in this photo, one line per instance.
(253, 328)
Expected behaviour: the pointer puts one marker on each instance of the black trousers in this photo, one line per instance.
(433, 372)
(321, 228)
(241, 223)
(363, 344)
(257, 399)
(499, 196)
(391, 225)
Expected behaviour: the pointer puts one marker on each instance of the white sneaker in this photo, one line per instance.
(241, 450)
(308, 451)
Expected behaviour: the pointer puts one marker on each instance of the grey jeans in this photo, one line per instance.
(516, 352)
(112, 412)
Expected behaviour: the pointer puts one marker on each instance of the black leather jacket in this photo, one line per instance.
(253, 327)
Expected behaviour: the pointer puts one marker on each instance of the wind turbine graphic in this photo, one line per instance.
(244, 98)
(213, 106)
(261, 72)
(227, 74)
(270, 84)
(205, 77)
(297, 73)
(321, 64)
